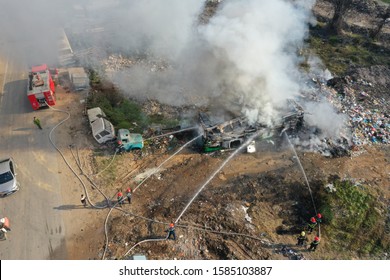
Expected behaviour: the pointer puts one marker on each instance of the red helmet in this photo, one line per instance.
(128, 190)
(313, 220)
(319, 215)
(171, 225)
(316, 238)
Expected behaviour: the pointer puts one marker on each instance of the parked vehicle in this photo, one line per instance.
(40, 87)
(102, 129)
(129, 141)
(8, 182)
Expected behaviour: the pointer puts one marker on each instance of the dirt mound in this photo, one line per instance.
(377, 77)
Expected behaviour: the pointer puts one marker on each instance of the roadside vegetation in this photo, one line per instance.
(121, 111)
(354, 221)
(340, 52)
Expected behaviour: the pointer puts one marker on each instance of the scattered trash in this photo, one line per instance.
(369, 119)
(290, 253)
(247, 217)
(330, 188)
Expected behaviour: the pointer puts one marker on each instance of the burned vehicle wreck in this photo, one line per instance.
(227, 135)
(231, 134)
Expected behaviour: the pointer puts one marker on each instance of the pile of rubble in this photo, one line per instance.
(117, 62)
(363, 101)
(159, 144)
(369, 117)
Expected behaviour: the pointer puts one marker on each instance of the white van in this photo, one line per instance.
(102, 129)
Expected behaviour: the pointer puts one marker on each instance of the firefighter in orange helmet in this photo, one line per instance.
(128, 195)
(120, 198)
(171, 231)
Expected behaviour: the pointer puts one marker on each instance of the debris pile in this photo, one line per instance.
(369, 119)
(118, 62)
(162, 144)
(363, 98)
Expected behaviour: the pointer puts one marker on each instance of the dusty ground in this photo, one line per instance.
(245, 212)
(360, 19)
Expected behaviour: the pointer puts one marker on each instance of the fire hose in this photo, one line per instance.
(83, 184)
(306, 180)
(66, 161)
(114, 206)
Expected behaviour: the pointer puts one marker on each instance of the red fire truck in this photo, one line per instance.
(40, 88)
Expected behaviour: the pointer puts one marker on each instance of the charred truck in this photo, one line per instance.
(226, 135)
(233, 133)
(41, 87)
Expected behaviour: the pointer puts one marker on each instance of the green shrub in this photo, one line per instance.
(166, 123)
(352, 220)
(334, 39)
(94, 77)
(339, 51)
(122, 113)
(327, 213)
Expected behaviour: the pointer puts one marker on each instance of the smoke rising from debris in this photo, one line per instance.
(324, 116)
(246, 54)
(260, 40)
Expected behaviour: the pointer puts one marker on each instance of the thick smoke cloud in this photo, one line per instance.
(245, 55)
(324, 116)
(29, 30)
(260, 40)
(157, 27)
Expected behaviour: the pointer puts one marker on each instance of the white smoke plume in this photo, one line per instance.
(324, 116)
(246, 54)
(260, 40)
(318, 69)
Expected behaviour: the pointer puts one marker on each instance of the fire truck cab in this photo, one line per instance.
(40, 88)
